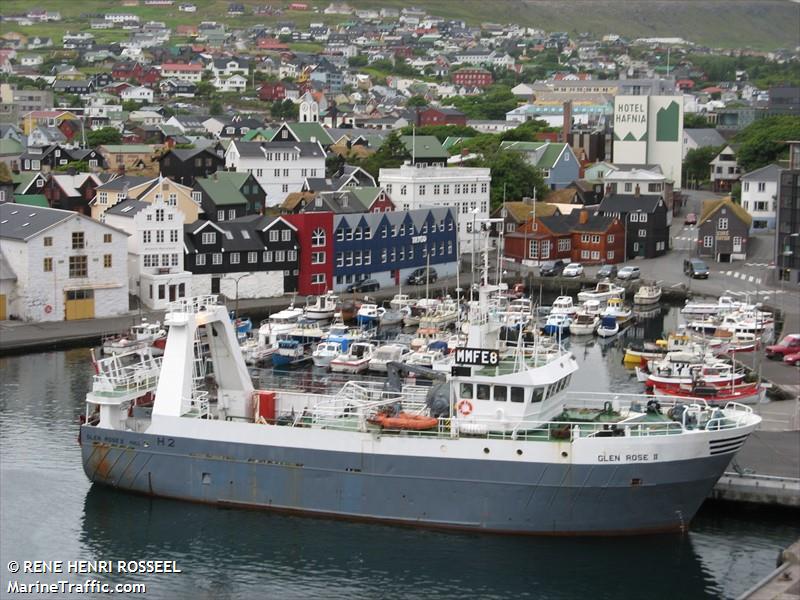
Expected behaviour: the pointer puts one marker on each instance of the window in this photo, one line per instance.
(537, 395)
(643, 218)
(564, 244)
(216, 258)
(173, 199)
(317, 258)
(159, 214)
(642, 233)
(48, 241)
(234, 258)
(340, 235)
(209, 237)
(634, 218)
(280, 256)
(436, 189)
(174, 260)
(197, 196)
(220, 215)
(277, 173)
(267, 256)
(78, 241)
(383, 255)
(610, 255)
(722, 224)
(610, 239)
(403, 190)
(160, 236)
(446, 189)
(47, 265)
(200, 260)
(340, 259)
(232, 214)
(585, 254)
(595, 255)
(291, 255)
(286, 235)
(274, 235)
(484, 188)
(746, 186)
(173, 235)
(286, 172)
(466, 391)
(762, 186)
(708, 241)
(318, 237)
(422, 190)
(595, 239)
(517, 394)
(107, 261)
(318, 279)
(102, 197)
(78, 266)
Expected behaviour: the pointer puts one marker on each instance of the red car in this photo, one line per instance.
(691, 219)
(792, 359)
(790, 344)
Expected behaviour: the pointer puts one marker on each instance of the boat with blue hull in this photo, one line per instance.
(507, 448)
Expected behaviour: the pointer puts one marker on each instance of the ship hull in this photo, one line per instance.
(436, 492)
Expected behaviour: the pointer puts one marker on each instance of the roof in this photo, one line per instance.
(264, 132)
(627, 203)
(32, 200)
(256, 149)
(128, 148)
(337, 202)
(293, 199)
(562, 196)
(23, 180)
(23, 222)
(707, 136)
(308, 132)
(521, 211)
(366, 195)
(424, 146)
(125, 181)
(127, 208)
(769, 173)
(10, 146)
(221, 191)
(712, 206)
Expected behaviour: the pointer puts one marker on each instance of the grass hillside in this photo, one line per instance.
(762, 24)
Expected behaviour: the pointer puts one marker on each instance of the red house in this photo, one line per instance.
(315, 254)
(597, 239)
(271, 91)
(480, 78)
(270, 43)
(122, 71)
(440, 116)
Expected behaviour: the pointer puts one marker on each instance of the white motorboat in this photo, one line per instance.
(325, 352)
(616, 308)
(647, 294)
(355, 360)
(608, 327)
(590, 307)
(443, 315)
(386, 354)
(557, 324)
(323, 308)
(138, 337)
(724, 305)
(602, 292)
(394, 316)
(425, 358)
(563, 305)
(584, 324)
(369, 314)
(280, 323)
(398, 301)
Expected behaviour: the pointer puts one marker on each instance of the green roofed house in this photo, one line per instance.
(425, 149)
(557, 161)
(227, 195)
(32, 200)
(28, 182)
(302, 132)
(262, 134)
(10, 151)
(374, 199)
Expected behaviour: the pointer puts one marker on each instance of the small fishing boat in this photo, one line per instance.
(290, 353)
(635, 353)
(584, 324)
(323, 308)
(307, 331)
(138, 337)
(602, 292)
(369, 314)
(616, 308)
(386, 354)
(744, 393)
(563, 305)
(557, 324)
(325, 352)
(608, 327)
(427, 357)
(355, 360)
(399, 301)
(393, 317)
(723, 305)
(665, 373)
(279, 323)
(647, 294)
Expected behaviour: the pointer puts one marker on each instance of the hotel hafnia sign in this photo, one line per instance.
(630, 112)
(630, 118)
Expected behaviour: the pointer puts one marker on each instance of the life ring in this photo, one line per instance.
(48, 309)
(464, 407)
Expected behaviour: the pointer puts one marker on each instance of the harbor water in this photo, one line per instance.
(50, 511)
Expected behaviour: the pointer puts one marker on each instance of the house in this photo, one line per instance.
(185, 165)
(175, 88)
(7, 184)
(787, 223)
(701, 138)
(72, 191)
(440, 116)
(222, 199)
(466, 189)
(10, 152)
(187, 124)
(425, 150)
(155, 250)
(127, 157)
(279, 167)
(645, 219)
(516, 214)
(192, 72)
(250, 257)
(76, 86)
(146, 189)
(302, 132)
(67, 265)
(724, 170)
(347, 177)
(722, 230)
(270, 91)
(557, 161)
(628, 179)
(315, 247)
(225, 67)
(230, 83)
(760, 196)
(137, 94)
(473, 78)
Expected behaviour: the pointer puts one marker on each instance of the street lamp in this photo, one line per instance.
(236, 281)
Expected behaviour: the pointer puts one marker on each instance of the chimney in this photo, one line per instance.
(567, 126)
(121, 170)
(583, 217)
(637, 191)
(608, 189)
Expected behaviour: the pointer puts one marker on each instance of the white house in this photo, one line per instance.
(279, 167)
(184, 72)
(155, 250)
(228, 66)
(724, 170)
(233, 83)
(760, 196)
(67, 266)
(465, 188)
(122, 17)
(138, 93)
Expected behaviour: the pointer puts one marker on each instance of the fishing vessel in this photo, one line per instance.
(323, 308)
(563, 305)
(602, 292)
(325, 352)
(355, 360)
(584, 324)
(723, 305)
(510, 450)
(557, 325)
(138, 337)
(608, 327)
(744, 393)
(619, 310)
(279, 323)
(290, 353)
(386, 354)
(647, 294)
(369, 314)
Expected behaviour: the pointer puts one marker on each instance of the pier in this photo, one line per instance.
(783, 583)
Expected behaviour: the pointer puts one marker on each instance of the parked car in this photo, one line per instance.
(419, 276)
(790, 344)
(573, 270)
(691, 219)
(695, 268)
(365, 285)
(551, 268)
(792, 359)
(628, 273)
(607, 272)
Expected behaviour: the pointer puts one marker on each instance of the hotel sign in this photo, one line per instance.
(477, 356)
(419, 239)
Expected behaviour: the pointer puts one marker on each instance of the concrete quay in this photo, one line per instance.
(783, 583)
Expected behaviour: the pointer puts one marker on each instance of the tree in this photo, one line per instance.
(205, 89)
(215, 108)
(333, 164)
(525, 132)
(103, 136)
(130, 105)
(357, 61)
(79, 166)
(416, 101)
(694, 121)
(696, 164)
(513, 177)
(442, 132)
(763, 141)
(284, 109)
(493, 103)
(391, 154)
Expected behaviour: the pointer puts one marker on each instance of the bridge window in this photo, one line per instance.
(538, 395)
(517, 394)
(500, 393)
(483, 391)
(466, 391)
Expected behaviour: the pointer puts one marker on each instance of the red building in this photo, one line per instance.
(440, 116)
(480, 78)
(270, 43)
(315, 254)
(272, 90)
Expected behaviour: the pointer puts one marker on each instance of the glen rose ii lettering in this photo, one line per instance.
(477, 356)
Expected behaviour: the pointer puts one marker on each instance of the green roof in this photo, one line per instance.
(424, 146)
(23, 180)
(221, 190)
(264, 132)
(237, 179)
(454, 140)
(366, 195)
(32, 200)
(132, 148)
(9, 146)
(549, 154)
(307, 131)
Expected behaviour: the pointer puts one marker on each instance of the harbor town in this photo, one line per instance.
(438, 283)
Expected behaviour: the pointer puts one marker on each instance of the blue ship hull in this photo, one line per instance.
(366, 321)
(432, 491)
(555, 330)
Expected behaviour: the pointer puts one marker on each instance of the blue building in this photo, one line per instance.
(388, 246)
(557, 161)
